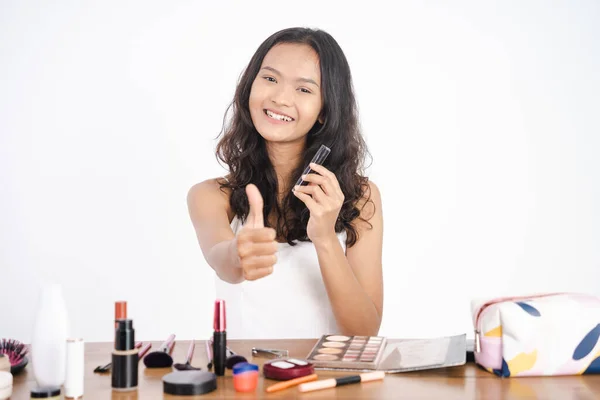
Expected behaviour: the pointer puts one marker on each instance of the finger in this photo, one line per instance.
(325, 172)
(314, 191)
(319, 180)
(258, 262)
(306, 199)
(247, 249)
(249, 234)
(255, 200)
(257, 273)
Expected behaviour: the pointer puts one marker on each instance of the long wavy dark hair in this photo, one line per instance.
(244, 151)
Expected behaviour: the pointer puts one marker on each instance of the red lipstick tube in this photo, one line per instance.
(219, 338)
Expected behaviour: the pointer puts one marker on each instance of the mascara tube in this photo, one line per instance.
(219, 338)
(124, 357)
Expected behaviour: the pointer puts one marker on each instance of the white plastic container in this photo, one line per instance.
(74, 369)
(6, 385)
(49, 340)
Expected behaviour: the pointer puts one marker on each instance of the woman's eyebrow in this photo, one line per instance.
(306, 80)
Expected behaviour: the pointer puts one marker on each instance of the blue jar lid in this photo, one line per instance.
(244, 367)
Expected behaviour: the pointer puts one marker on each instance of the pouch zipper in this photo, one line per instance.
(501, 300)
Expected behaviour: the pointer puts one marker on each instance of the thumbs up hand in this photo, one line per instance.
(255, 216)
(256, 244)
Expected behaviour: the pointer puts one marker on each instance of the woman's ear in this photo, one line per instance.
(321, 119)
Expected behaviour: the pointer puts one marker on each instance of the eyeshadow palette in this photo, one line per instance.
(339, 351)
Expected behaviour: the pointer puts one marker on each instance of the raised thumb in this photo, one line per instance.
(255, 216)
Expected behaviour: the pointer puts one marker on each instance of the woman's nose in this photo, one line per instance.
(282, 96)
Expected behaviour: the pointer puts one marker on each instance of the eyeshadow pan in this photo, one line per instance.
(334, 344)
(338, 338)
(325, 357)
(297, 362)
(282, 364)
(328, 350)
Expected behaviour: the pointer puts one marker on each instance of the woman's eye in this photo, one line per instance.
(305, 90)
(270, 79)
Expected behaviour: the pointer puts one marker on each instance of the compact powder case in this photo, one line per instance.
(284, 369)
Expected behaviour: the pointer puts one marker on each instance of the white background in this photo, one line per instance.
(482, 119)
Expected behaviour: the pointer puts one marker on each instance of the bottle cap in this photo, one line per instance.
(244, 367)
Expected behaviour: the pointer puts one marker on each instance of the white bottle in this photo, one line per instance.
(50, 333)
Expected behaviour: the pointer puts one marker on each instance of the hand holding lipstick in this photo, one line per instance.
(256, 245)
(324, 199)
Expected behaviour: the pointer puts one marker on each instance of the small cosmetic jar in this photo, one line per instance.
(6, 385)
(245, 377)
(49, 393)
(189, 383)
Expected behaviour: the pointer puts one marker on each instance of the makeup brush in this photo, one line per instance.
(161, 358)
(16, 353)
(232, 358)
(105, 368)
(144, 350)
(209, 354)
(187, 366)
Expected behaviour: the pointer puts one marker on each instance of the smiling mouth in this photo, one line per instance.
(278, 117)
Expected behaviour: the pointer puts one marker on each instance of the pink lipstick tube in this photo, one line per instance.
(219, 338)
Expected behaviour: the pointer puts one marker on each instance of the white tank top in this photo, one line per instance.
(290, 303)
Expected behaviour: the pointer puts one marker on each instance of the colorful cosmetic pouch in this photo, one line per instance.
(538, 335)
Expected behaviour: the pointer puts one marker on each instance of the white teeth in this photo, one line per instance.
(277, 116)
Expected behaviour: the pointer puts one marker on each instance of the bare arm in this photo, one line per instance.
(250, 255)
(354, 280)
(207, 206)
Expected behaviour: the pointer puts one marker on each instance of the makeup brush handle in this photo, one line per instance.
(144, 350)
(167, 344)
(190, 353)
(209, 354)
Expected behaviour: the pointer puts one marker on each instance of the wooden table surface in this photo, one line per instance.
(463, 382)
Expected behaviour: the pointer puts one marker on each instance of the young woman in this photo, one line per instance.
(293, 262)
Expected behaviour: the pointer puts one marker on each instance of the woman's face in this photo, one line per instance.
(285, 99)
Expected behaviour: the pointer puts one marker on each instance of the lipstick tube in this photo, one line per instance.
(125, 357)
(219, 338)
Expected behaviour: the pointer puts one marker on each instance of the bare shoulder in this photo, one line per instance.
(209, 187)
(209, 196)
(370, 202)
